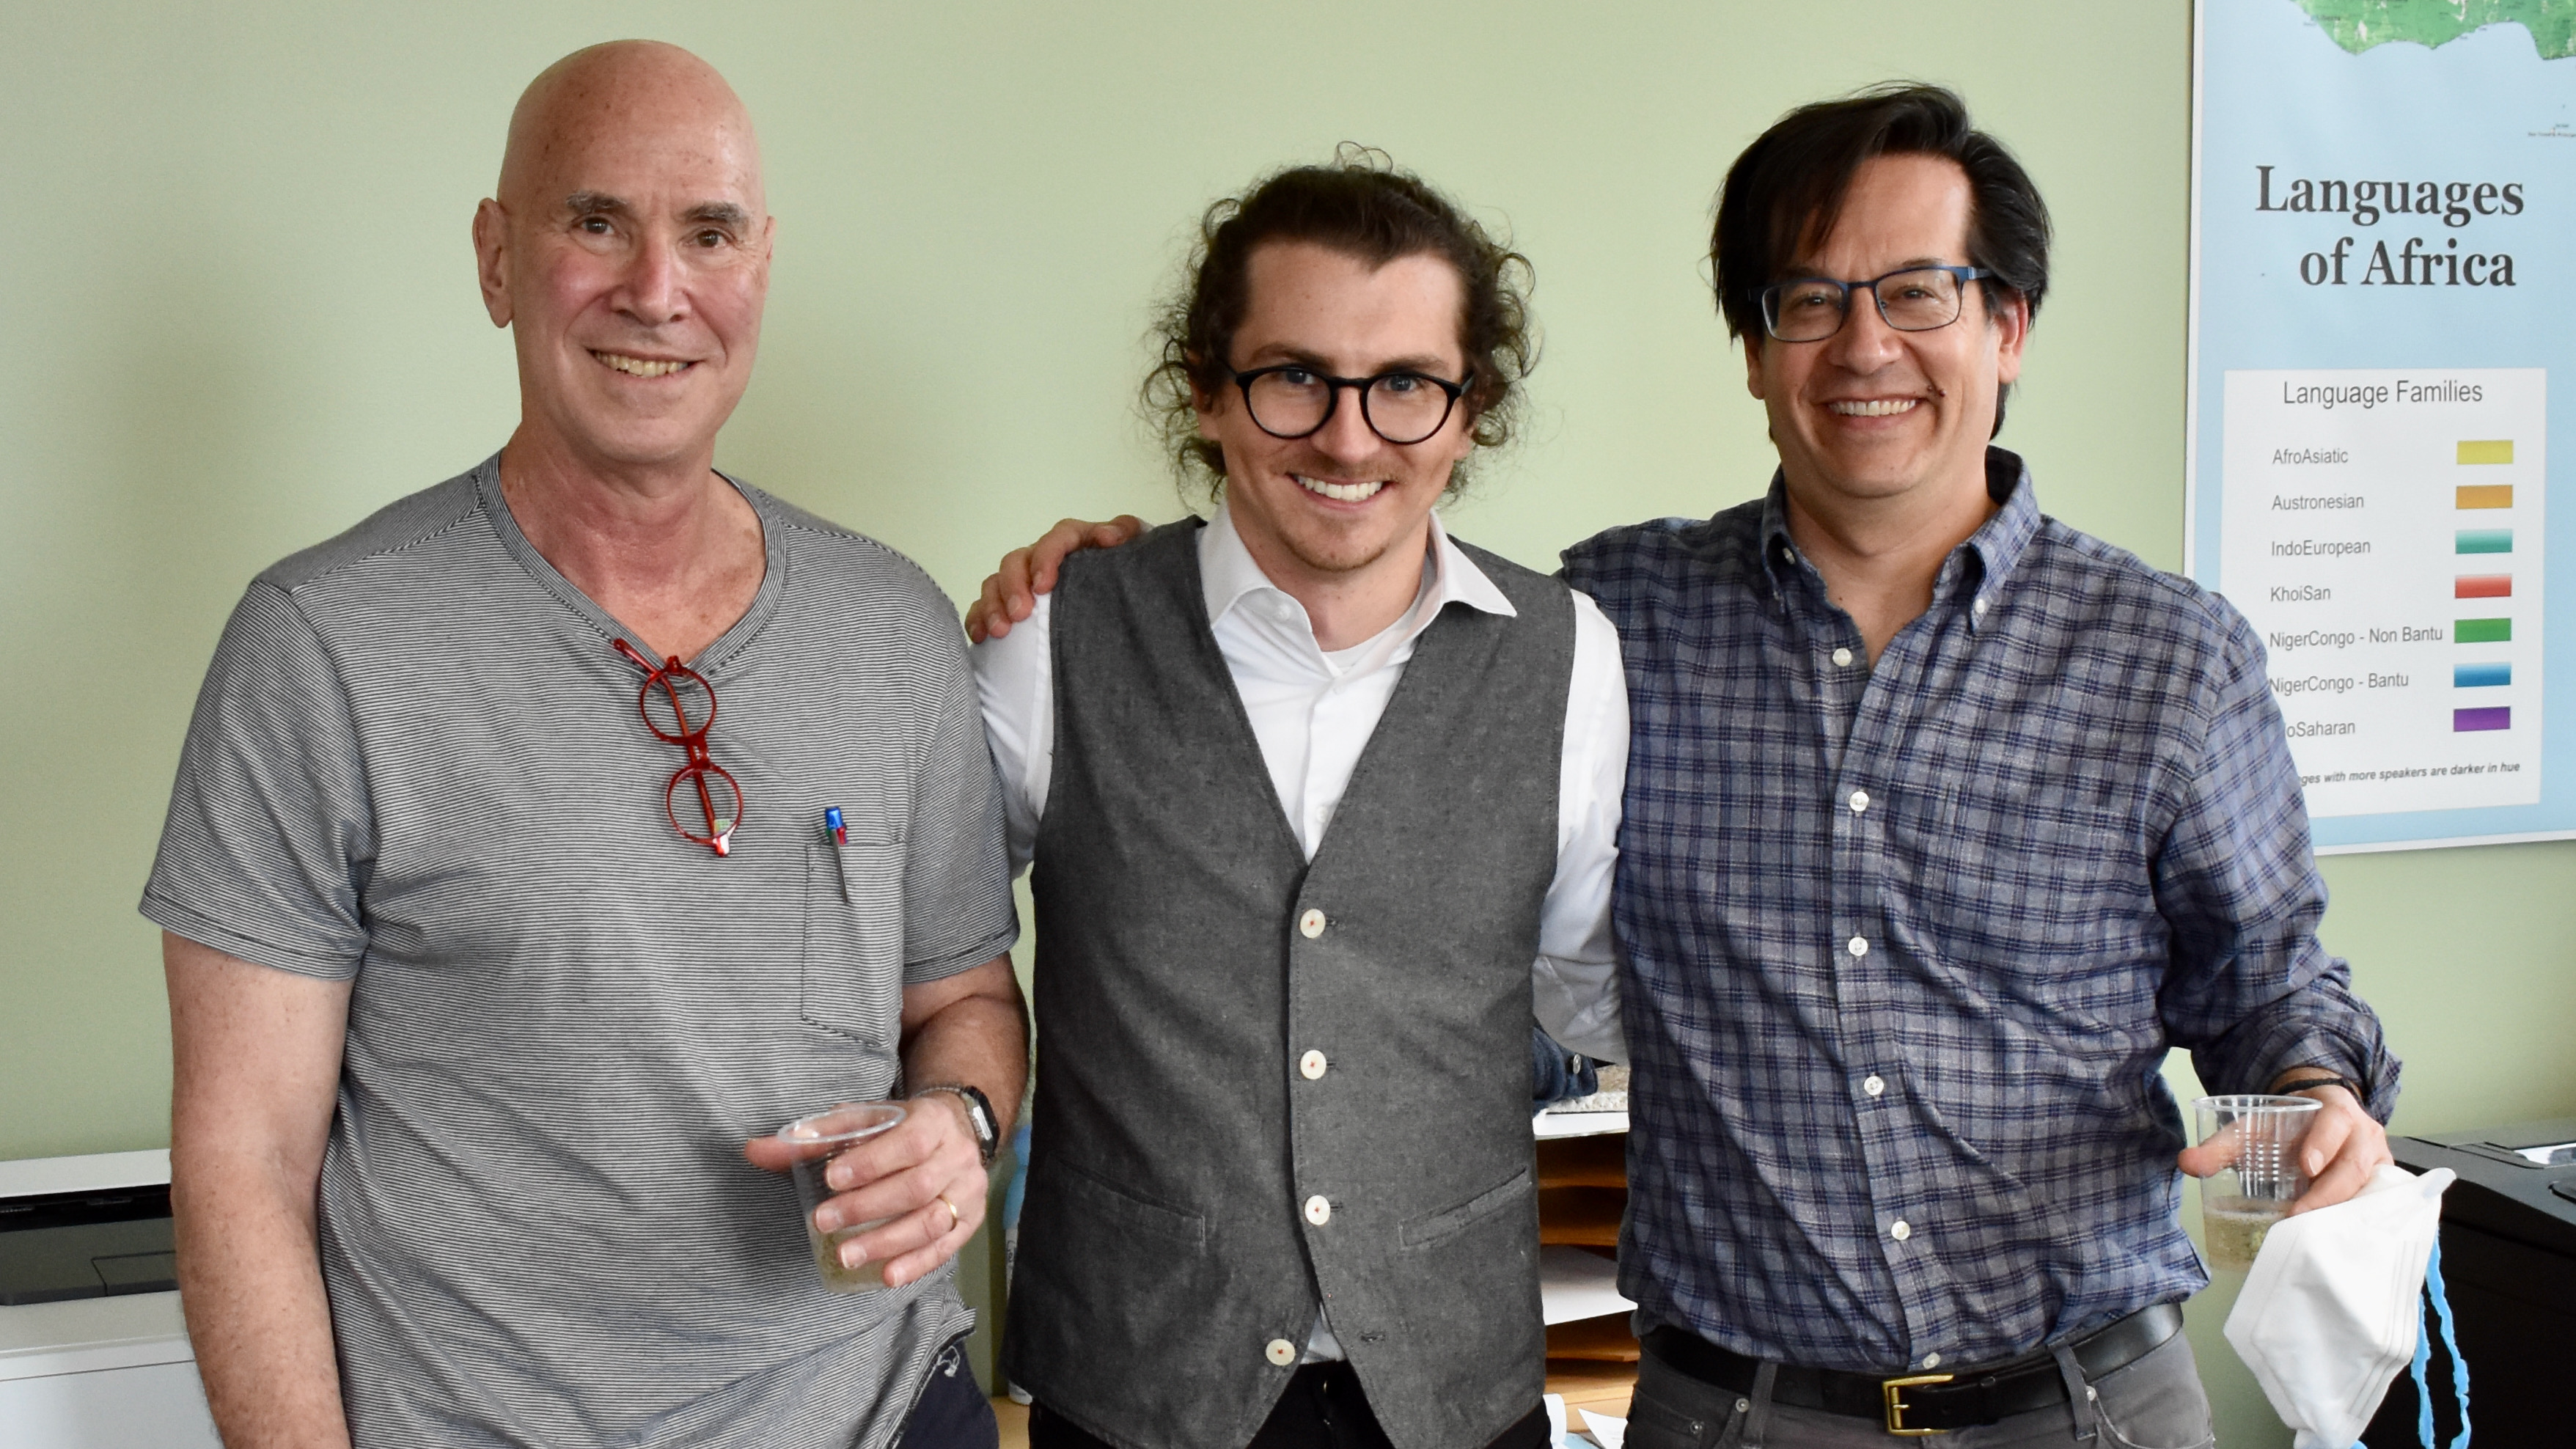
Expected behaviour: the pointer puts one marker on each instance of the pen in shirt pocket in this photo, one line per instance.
(832, 822)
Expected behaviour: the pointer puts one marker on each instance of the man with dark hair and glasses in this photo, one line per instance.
(1945, 823)
(553, 833)
(1323, 804)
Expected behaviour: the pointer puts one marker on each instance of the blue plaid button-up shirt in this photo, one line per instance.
(1908, 943)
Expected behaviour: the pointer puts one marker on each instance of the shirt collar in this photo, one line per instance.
(1985, 559)
(1227, 573)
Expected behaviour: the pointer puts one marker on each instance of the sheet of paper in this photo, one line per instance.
(1575, 1284)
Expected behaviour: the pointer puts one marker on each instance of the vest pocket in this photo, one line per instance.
(1096, 1202)
(1433, 1229)
(853, 965)
(1466, 1278)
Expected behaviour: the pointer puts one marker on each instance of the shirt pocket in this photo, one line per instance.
(853, 962)
(2036, 875)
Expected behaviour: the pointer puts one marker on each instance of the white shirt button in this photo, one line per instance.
(1312, 1064)
(1978, 607)
(1842, 658)
(1287, 613)
(1859, 801)
(1318, 1211)
(1859, 946)
(1280, 1352)
(1931, 1360)
(1311, 924)
(1901, 1231)
(1872, 1085)
(1788, 555)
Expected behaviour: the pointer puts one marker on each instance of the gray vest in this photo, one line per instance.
(1189, 960)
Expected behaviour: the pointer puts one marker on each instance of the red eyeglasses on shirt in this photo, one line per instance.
(684, 695)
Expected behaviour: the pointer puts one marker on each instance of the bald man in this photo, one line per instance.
(492, 942)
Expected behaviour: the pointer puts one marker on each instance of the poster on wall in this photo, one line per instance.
(2383, 349)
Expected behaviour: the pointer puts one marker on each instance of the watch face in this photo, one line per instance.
(979, 1117)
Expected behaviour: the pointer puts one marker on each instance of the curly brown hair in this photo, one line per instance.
(1363, 206)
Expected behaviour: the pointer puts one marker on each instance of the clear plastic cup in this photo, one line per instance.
(2240, 1202)
(817, 1140)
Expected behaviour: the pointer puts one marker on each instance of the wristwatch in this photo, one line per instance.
(979, 1115)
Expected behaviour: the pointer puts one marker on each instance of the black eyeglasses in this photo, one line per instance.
(1916, 299)
(1295, 401)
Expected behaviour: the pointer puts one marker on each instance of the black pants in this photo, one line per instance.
(1323, 1408)
(952, 1412)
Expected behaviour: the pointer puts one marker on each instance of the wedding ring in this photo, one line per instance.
(954, 1216)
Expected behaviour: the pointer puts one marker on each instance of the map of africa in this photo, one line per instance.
(2357, 25)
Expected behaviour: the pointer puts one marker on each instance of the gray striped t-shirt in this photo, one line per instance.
(418, 764)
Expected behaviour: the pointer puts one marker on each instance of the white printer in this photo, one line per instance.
(93, 1354)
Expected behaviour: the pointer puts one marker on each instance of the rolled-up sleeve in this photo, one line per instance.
(957, 877)
(271, 830)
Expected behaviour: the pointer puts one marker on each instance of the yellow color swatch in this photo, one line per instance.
(2486, 495)
(2492, 450)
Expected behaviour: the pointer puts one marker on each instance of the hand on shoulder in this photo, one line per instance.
(1010, 594)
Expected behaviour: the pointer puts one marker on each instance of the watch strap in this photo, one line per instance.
(979, 1116)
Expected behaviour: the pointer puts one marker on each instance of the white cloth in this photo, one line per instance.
(1313, 712)
(2330, 1309)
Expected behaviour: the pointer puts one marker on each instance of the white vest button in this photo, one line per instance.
(1280, 1352)
(1311, 924)
(1318, 1211)
(1312, 1065)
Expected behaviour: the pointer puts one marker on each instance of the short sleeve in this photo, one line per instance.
(957, 875)
(271, 831)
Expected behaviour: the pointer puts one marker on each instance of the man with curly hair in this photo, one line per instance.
(1321, 802)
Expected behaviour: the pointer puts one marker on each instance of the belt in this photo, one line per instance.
(1914, 1404)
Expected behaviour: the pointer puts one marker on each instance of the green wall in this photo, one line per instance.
(241, 314)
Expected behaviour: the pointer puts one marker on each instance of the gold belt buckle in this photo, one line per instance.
(1896, 1405)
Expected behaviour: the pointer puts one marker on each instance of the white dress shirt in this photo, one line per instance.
(1312, 712)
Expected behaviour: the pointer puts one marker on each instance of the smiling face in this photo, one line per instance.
(629, 254)
(1873, 414)
(1342, 499)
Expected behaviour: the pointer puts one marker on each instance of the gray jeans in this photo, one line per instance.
(2154, 1403)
